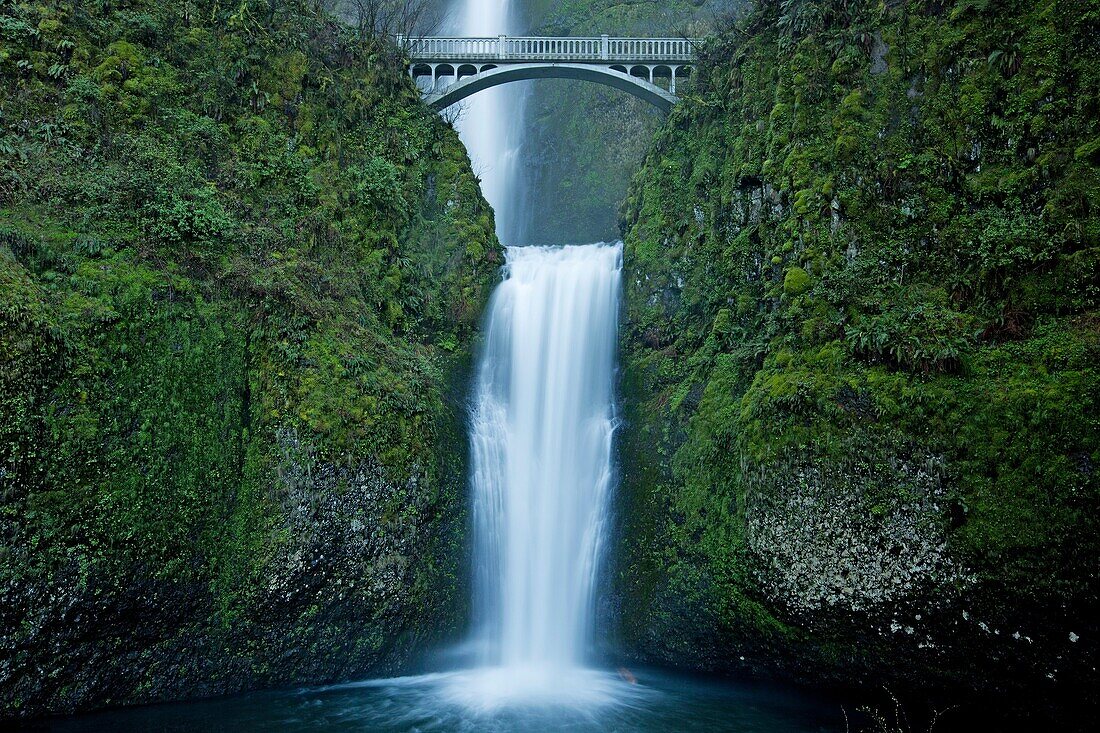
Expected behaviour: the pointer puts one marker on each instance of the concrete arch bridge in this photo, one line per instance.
(648, 68)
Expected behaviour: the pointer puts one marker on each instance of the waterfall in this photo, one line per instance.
(491, 122)
(541, 448)
(541, 425)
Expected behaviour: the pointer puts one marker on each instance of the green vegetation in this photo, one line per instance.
(240, 268)
(862, 353)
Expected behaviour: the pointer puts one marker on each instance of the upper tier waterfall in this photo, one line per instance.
(491, 124)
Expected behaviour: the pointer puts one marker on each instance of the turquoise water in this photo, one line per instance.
(590, 700)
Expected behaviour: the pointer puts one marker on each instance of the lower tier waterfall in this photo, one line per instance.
(541, 431)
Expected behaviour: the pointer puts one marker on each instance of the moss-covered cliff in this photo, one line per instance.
(861, 354)
(240, 267)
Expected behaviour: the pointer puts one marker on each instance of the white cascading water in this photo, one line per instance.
(541, 442)
(541, 428)
(491, 122)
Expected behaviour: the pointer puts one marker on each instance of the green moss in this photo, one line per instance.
(886, 272)
(796, 281)
(240, 270)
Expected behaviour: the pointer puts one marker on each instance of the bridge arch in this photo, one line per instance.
(639, 86)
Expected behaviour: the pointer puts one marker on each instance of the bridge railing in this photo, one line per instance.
(543, 48)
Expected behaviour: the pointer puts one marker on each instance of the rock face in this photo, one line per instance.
(241, 268)
(824, 540)
(860, 357)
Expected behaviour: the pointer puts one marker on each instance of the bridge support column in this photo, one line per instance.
(672, 82)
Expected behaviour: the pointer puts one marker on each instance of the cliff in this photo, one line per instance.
(240, 270)
(860, 355)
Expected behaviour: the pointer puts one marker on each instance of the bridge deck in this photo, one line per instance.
(592, 49)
